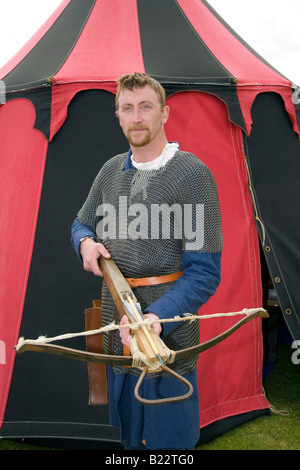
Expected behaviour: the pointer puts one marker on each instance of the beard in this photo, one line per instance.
(138, 140)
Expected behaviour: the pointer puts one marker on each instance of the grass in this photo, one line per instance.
(280, 431)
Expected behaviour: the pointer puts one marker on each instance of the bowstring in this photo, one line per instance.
(135, 325)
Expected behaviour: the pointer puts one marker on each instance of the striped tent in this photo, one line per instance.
(57, 128)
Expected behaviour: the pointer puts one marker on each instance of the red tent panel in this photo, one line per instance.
(23, 154)
(230, 52)
(234, 389)
(109, 45)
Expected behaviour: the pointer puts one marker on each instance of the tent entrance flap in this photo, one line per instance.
(274, 166)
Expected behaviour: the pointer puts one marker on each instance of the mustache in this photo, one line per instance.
(138, 128)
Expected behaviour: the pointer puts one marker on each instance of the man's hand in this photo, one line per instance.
(91, 252)
(125, 332)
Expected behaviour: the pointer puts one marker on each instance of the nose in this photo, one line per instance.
(136, 115)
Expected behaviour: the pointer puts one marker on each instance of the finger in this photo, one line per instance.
(157, 328)
(94, 265)
(103, 251)
(124, 320)
(126, 341)
(125, 332)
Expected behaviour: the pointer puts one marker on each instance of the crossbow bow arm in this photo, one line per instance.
(83, 356)
(149, 343)
(114, 360)
(199, 348)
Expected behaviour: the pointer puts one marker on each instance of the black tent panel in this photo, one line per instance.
(274, 164)
(163, 26)
(53, 49)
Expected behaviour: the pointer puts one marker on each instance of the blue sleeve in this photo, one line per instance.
(200, 280)
(78, 232)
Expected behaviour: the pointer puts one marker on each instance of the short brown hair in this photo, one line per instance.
(140, 80)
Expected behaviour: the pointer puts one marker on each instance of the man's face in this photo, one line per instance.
(141, 116)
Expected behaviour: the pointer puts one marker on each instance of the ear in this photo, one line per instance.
(165, 114)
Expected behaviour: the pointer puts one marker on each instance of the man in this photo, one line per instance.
(155, 210)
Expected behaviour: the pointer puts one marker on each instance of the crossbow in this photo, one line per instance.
(154, 356)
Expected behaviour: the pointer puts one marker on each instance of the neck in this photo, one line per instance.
(148, 152)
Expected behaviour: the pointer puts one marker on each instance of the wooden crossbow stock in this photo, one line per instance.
(154, 356)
